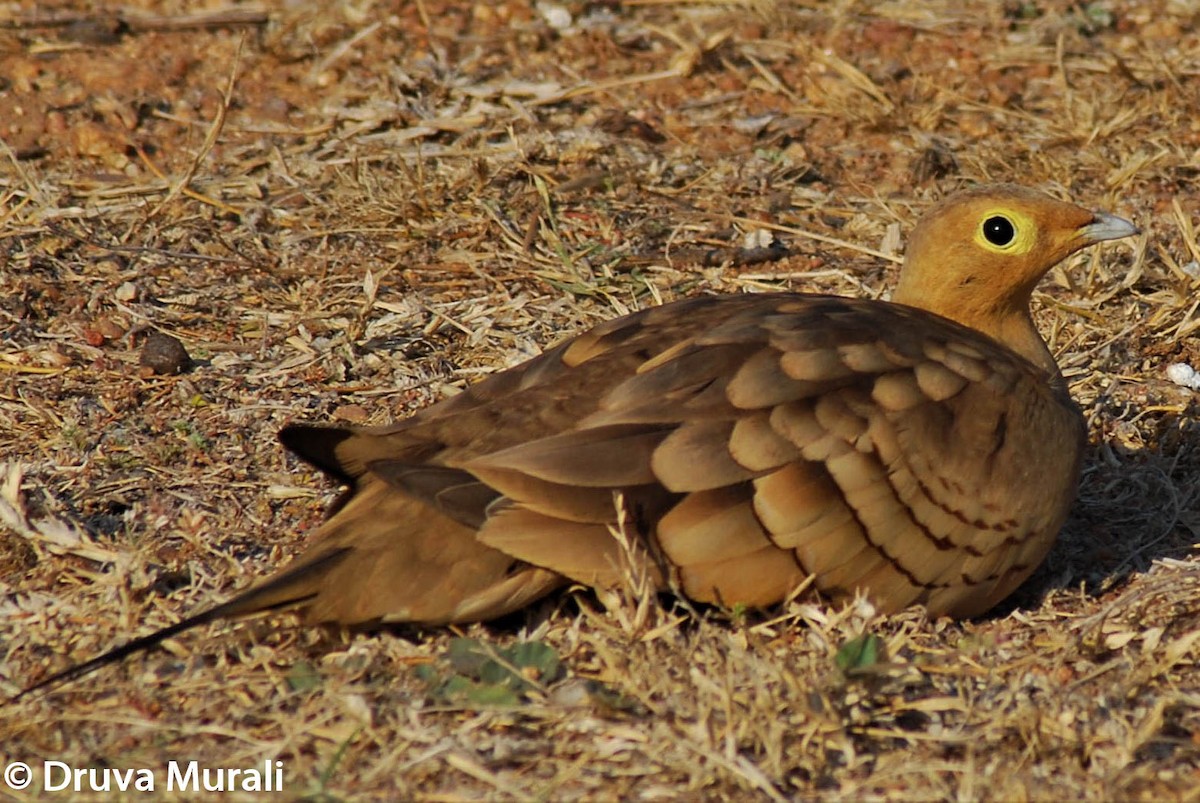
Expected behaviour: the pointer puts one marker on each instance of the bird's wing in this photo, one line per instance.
(753, 440)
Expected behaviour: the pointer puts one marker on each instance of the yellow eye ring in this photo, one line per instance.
(1006, 231)
(999, 231)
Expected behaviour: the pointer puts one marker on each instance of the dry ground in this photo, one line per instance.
(347, 210)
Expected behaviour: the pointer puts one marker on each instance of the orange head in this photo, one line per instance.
(976, 257)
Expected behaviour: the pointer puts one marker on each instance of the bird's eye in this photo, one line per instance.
(999, 231)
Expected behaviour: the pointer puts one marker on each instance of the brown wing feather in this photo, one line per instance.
(586, 553)
(866, 444)
(398, 560)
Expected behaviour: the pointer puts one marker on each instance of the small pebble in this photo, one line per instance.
(556, 16)
(97, 31)
(752, 125)
(354, 413)
(109, 328)
(163, 354)
(758, 238)
(1183, 374)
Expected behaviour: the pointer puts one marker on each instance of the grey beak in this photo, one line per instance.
(1107, 227)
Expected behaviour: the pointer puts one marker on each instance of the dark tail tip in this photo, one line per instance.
(116, 654)
(293, 586)
(317, 445)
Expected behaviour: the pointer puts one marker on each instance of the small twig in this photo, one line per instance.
(600, 87)
(812, 235)
(222, 18)
(341, 50)
(29, 369)
(34, 191)
(141, 249)
(471, 768)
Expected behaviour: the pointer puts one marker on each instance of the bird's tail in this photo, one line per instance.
(385, 556)
(293, 586)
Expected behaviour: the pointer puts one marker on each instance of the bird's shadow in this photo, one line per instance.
(1136, 504)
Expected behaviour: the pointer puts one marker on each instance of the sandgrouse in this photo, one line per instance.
(924, 450)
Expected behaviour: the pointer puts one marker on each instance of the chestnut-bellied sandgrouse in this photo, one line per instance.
(924, 450)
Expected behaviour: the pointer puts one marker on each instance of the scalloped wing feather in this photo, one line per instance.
(774, 436)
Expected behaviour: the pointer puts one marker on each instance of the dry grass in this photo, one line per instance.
(352, 209)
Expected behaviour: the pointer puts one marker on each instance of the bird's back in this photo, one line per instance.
(749, 441)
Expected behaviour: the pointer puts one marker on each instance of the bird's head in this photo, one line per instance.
(976, 257)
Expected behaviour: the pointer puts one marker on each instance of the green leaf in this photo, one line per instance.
(492, 694)
(860, 653)
(467, 656)
(303, 677)
(537, 655)
(456, 687)
(483, 675)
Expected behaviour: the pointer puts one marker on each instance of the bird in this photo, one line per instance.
(921, 451)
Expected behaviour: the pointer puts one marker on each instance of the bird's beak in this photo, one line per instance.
(1106, 227)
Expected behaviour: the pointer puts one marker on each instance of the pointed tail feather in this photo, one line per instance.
(294, 586)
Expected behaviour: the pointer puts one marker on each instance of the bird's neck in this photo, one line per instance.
(1005, 319)
(1010, 324)
(1017, 331)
